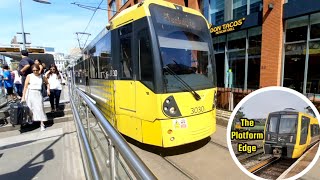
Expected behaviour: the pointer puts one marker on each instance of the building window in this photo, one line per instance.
(236, 70)
(231, 58)
(235, 74)
(220, 69)
(217, 12)
(255, 6)
(297, 29)
(123, 2)
(113, 8)
(239, 8)
(237, 40)
(219, 44)
(294, 66)
(315, 26)
(313, 81)
(300, 63)
(254, 57)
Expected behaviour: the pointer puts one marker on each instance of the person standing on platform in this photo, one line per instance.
(17, 82)
(33, 97)
(37, 61)
(8, 82)
(25, 66)
(44, 68)
(56, 81)
(2, 91)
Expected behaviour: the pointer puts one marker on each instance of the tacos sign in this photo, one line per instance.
(227, 27)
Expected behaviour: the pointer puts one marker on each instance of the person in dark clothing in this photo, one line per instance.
(25, 66)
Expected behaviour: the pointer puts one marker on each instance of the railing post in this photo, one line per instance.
(112, 160)
(88, 123)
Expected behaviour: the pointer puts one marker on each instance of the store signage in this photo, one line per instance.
(227, 27)
(35, 50)
(9, 49)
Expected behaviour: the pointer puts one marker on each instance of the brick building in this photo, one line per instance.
(260, 43)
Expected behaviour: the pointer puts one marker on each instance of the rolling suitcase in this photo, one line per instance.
(19, 113)
(15, 113)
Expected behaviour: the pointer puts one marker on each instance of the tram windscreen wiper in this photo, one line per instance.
(186, 85)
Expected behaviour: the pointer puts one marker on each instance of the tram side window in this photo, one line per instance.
(314, 130)
(273, 122)
(304, 125)
(93, 67)
(145, 59)
(126, 59)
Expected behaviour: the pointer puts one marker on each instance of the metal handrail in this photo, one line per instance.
(136, 165)
(85, 141)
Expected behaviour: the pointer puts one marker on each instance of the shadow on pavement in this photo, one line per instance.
(30, 169)
(171, 151)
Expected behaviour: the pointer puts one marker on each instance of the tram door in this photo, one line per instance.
(304, 130)
(128, 90)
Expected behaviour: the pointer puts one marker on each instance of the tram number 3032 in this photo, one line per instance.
(197, 110)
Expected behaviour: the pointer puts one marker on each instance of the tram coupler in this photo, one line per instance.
(277, 152)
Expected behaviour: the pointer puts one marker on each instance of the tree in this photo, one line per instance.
(240, 114)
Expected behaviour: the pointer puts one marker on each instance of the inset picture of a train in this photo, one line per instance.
(290, 133)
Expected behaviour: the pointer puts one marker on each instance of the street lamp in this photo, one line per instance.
(22, 27)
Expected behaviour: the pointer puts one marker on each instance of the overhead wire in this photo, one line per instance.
(94, 12)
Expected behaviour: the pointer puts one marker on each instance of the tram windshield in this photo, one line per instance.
(288, 124)
(184, 43)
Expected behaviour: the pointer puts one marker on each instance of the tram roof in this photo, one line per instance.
(141, 10)
(134, 13)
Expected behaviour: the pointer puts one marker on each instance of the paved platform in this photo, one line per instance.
(51, 154)
(302, 163)
(28, 153)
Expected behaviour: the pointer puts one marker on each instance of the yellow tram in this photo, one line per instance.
(290, 133)
(153, 74)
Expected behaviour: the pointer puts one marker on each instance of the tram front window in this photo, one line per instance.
(189, 58)
(288, 124)
(186, 51)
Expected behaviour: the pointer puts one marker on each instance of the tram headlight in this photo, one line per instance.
(172, 110)
(170, 107)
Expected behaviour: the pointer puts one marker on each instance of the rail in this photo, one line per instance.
(105, 153)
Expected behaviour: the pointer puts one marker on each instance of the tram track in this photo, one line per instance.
(182, 171)
(219, 145)
(192, 161)
(271, 168)
(245, 156)
(185, 172)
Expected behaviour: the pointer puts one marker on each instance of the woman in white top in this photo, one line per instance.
(17, 82)
(55, 79)
(33, 96)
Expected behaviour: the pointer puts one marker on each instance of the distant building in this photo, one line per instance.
(59, 60)
(75, 53)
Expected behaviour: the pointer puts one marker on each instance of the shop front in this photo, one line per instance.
(301, 56)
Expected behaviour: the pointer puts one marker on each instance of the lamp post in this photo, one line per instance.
(22, 27)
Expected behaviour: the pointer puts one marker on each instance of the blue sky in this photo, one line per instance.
(260, 105)
(51, 25)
